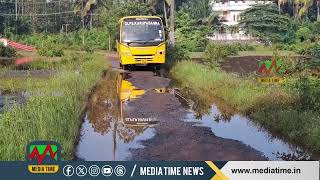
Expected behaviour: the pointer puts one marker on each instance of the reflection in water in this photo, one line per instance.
(202, 106)
(243, 129)
(104, 134)
(226, 123)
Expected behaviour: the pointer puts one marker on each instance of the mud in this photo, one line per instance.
(244, 65)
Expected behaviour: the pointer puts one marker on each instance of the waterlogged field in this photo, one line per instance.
(53, 102)
(290, 110)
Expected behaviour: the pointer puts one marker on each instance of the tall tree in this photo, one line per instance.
(264, 21)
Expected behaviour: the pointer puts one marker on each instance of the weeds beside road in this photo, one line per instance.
(53, 112)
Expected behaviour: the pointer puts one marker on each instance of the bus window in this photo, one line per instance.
(144, 30)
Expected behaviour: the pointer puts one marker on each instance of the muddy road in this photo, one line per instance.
(138, 115)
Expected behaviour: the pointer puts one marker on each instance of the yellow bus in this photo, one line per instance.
(141, 41)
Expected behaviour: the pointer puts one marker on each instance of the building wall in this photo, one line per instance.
(230, 11)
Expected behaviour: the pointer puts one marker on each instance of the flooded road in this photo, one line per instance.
(241, 128)
(135, 116)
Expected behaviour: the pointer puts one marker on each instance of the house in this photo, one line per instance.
(229, 13)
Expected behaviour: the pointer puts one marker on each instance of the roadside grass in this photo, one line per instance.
(55, 113)
(274, 107)
(21, 83)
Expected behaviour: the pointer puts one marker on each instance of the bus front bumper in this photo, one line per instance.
(142, 59)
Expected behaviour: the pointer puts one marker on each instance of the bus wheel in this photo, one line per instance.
(120, 65)
(156, 67)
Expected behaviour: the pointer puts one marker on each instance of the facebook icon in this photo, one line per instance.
(68, 170)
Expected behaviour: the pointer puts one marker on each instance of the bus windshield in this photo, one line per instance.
(142, 30)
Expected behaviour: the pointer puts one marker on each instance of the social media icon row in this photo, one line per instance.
(94, 170)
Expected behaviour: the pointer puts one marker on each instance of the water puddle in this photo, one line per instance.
(238, 127)
(107, 134)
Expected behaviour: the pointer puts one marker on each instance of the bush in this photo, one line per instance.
(95, 38)
(215, 53)
(174, 54)
(89, 49)
(7, 51)
(304, 33)
(50, 50)
(315, 51)
(308, 89)
(243, 47)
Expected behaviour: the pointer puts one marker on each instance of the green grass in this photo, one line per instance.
(54, 116)
(274, 107)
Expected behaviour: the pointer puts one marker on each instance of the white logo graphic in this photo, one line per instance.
(106, 170)
(120, 170)
(68, 170)
(81, 170)
(94, 170)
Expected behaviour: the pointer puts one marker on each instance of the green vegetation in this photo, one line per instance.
(191, 34)
(265, 22)
(50, 50)
(78, 40)
(55, 113)
(215, 53)
(7, 51)
(291, 110)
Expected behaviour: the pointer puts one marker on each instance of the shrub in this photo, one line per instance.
(96, 38)
(215, 53)
(89, 49)
(50, 50)
(315, 51)
(7, 51)
(308, 89)
(303, 48)
(174, 54)
(244, 47)
(304, 33)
